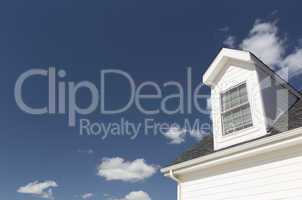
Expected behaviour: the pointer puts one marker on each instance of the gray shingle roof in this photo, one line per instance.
(290, 120)
(202, 148)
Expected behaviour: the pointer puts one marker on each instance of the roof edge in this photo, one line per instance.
(277, 76)
(275, 141)
(222, 57)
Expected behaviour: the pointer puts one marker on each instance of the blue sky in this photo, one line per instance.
(150, 40)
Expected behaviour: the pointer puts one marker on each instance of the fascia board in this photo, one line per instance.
(279, 141)
(221, 59)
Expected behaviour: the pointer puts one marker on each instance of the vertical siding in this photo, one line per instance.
(234, 74)
(272, 176)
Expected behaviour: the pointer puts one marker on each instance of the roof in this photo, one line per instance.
(290, 120)
(204, 147)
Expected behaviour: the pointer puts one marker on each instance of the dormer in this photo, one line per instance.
(247, 97)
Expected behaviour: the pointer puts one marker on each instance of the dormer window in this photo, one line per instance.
(239, 114)
(236, 112)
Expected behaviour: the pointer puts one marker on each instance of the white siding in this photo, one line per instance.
(272, 176)
(234, 73)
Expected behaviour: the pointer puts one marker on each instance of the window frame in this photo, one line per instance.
(222, 112)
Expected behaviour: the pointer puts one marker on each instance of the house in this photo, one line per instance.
(255, 152)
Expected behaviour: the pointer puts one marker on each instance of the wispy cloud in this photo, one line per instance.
(230, 41)
(266, 42)
(176, 135)
(292, 64)
(87, 151)
(135, 195)
(39, 189)
(87, 196)
(131, 171)
(224, 29)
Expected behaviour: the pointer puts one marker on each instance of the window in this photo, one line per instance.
(236, 112)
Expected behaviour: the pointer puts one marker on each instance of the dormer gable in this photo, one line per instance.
(247, 97)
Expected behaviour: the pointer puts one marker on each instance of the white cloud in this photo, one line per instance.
(87, 196)
(293, 63)
(176, 135)
(136, 195)
(119, 169)
(265, 41)
(230, 41)
(39, 189)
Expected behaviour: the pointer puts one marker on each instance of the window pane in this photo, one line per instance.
(236, 110)
(234, 97)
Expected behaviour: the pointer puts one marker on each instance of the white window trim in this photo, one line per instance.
(238, 132)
